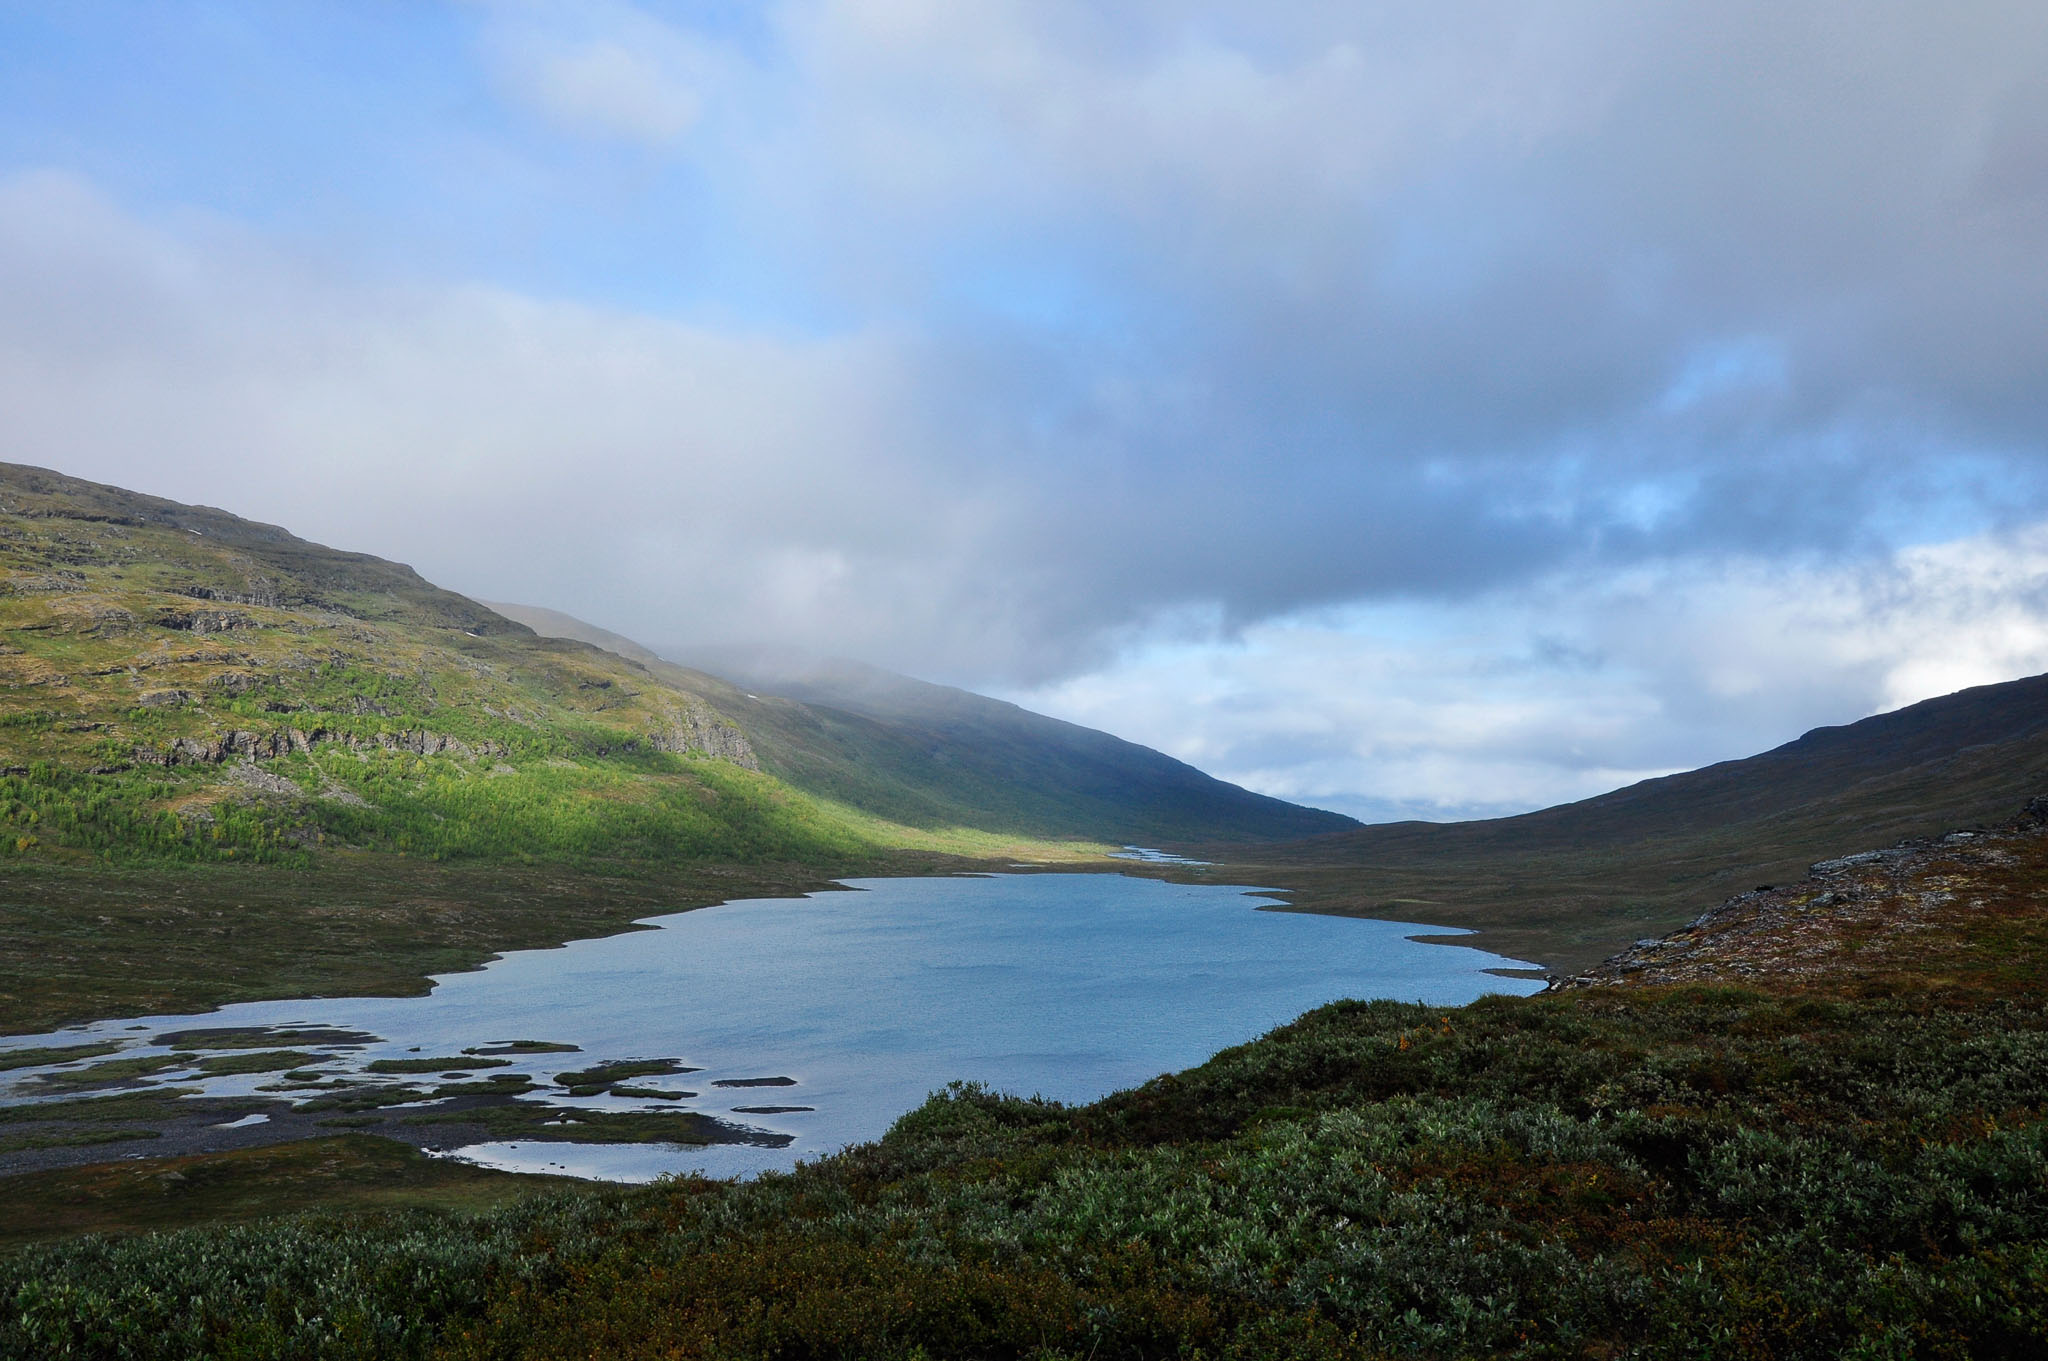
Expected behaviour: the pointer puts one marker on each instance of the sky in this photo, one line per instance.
(1416, 410)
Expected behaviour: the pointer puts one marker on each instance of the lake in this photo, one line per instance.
(814, 1022)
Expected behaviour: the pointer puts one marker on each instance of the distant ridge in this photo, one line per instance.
(1566, 883)
(1979, 751)
(929, 754)
(554, 624)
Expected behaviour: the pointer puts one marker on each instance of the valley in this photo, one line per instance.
(1815, 1141)
(1514, 539)
(243, 771)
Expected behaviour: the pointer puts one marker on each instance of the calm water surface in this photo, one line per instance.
(1070, 986)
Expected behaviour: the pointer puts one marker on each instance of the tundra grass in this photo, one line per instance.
(71, 1138)
(606, 1074)
(433, 1065)
(272, 1062)
(1657, 1172)
(38, 1056)
(112, 1072)
(562, 1124)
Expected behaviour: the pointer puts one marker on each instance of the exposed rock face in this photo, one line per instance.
(111, 619)
(30, 583)
(188, 751)
(262, 781)
(421, 743)
(90, 615)
(695, 730)
(261, 592)
(234, 682)
(698, 729)
(204, 621)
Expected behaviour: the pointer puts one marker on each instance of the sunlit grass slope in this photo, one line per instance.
(177, 683)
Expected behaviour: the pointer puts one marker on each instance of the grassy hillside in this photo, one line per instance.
(1567, 885)
(235, 764)
(177, 683)
(934, 756)
(1844, 1157)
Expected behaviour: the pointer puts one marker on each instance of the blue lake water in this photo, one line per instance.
(1066, 985)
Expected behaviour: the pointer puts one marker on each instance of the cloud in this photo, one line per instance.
(604, 70)
(998, 342)
(1572, 685)
(604, 86)
(690, 483)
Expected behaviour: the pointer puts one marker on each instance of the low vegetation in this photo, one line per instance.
(1706, 1171)
(1846, 1160)
(335, 1173)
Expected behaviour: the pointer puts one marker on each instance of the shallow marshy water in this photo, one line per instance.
(804, 1024)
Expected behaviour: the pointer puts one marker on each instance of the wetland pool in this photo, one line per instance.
(783, 1028)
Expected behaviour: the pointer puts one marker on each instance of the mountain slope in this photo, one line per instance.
(178, 682)
(931, 755)
(1566, 885)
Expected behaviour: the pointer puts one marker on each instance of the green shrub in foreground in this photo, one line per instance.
(1708, 1173)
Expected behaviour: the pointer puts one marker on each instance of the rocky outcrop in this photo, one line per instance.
(422, 743)
(237, 744)
(108, 620)
(698, 729)
(1847, 912)
(32, 583)
(203, 622)
(262, 781)
(261, 592)
(233, 683)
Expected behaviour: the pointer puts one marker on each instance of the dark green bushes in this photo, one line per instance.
(1703, 1173)
(116, 818)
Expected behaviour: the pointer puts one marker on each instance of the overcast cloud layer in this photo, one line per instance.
(1412, 409)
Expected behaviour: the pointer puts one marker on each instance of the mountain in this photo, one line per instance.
(1566, 885)
(932, 755)
(178, 682)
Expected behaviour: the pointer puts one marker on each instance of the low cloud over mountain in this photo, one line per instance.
(1092, 355)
